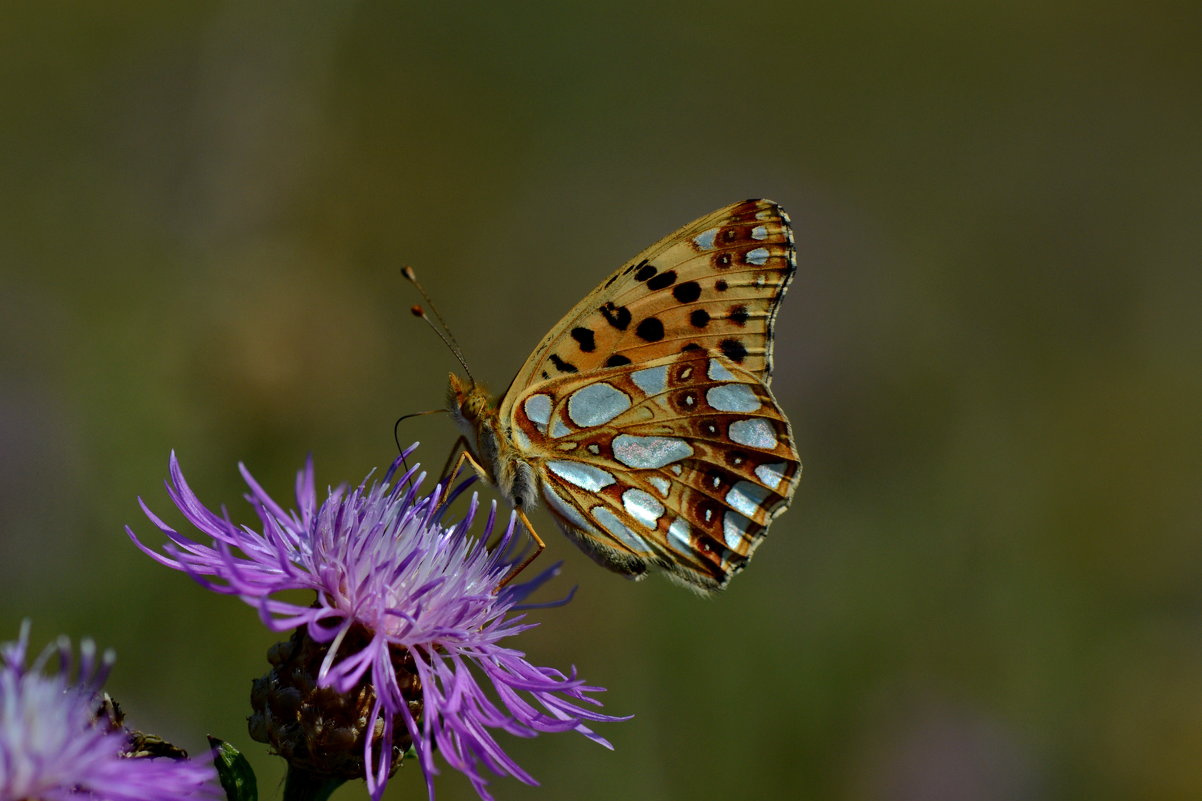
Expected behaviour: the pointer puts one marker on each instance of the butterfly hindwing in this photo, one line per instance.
(680, 462)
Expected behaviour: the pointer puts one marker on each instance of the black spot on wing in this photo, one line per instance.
(699, 318)
(616, 361)
(650, 330)
(734, 350)
(561, 365)
(617, 316)
(738, 315)
(691, 347)
(720, 285)
(645, 272)
(722, 261)
(687, 292)
(584, 337)
(663, 280)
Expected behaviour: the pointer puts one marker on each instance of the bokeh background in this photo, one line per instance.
(988, 586)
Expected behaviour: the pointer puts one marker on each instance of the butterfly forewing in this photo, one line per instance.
(679, 462)
(713, 286)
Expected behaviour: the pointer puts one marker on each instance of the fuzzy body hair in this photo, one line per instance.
(475, 412)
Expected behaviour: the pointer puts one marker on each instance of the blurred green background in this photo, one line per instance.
(988, 585)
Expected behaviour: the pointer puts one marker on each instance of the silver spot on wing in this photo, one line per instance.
(718, 371)
(570, 512)
(538, 409)
(653, 380)
(771, 474)
(754, 433)
(643, 507)
(648, 453)
(678, 536)
(758, 257)
(610, 522)
(705, 239)
(584, 476)
(734, 529)
(732, 398)
(597, 404)
(747, 498)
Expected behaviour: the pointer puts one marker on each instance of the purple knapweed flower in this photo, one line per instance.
(403, 645)
(57, 745)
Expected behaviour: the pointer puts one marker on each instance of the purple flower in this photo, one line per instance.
(405, 635)
(53, 745)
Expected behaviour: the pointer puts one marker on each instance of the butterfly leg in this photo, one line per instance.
(457, 449)
(539, 547)
(465, 456)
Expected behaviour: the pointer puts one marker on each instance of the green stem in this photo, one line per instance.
(301, 785)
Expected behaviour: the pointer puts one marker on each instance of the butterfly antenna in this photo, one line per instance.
(442, 329)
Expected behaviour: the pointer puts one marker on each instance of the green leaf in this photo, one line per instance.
(236, 775)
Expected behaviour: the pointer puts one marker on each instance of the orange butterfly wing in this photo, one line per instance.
(669, 359)
(714, 284)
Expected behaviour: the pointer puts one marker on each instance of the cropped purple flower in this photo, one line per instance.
(395, 586)
(54, 748)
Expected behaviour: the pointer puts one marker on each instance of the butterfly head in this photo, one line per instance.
(471, 406)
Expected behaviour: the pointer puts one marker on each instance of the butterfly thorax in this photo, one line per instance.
(475, 412)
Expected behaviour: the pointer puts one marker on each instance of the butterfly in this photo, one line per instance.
(643, 419)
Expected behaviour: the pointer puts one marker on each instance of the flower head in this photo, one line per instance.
(54, 747)
(406, 632)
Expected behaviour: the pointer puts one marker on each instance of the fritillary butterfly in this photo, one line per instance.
(644, 418)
